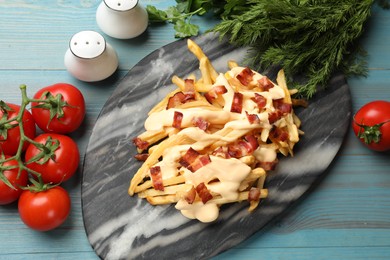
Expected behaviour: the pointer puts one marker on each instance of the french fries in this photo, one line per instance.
(212, 140)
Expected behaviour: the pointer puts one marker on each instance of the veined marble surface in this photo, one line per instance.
(123, 227)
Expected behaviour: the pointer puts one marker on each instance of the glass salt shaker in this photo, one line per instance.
(122, 19)
(89, 58)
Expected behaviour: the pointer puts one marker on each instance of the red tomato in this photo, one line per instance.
(48, 116)
(61, 164)
(7, 194)
(44, 210)
(10, 133)
(372, 125)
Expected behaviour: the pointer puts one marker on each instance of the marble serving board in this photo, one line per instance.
(122, 227)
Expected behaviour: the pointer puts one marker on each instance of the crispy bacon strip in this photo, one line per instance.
(238, 98)
(203, 192)
(245, 76)
(189, 87)
(281, 109)
(190, 195)
(279, 134)
(285, 108)
(200, 123)
(252, 118)
(180, 98)
(141, 156)
(243, 147)
(254, 194)
(141, 144)
(214, 92)
(268, 166)
(265, 84)
(177, 118)
(193, 160)
(155, 174)
(260, 100)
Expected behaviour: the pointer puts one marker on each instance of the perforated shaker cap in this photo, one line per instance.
(121, 5)
(87, 44)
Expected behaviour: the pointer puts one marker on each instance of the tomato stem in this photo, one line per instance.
(23, 138)
(370, 134)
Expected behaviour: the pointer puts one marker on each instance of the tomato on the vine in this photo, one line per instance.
(57, 161)
(371, 125)
(44, 210)
(10, 171)
(62, 110)
(10, 132)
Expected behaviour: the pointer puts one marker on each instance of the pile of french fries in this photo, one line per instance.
(160, 142)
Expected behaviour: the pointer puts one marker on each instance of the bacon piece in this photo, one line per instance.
(189, 86)
(189, 157)
(281, 109)
(141, 144)
(284, 108)
(141, 156)
(279, 134)
(193, 160)
(245, 76)
(155, 174)
(274, 116)
(265, 84)
(203, 192)
(252, 141)
(238, 98)
(214, 92)
(243, 147)
(252, 118)
(200, 123)
(180, 98)
(254, 194)
(222, 152)
(260, 100)
(199, 162)
(268, 166)
(190, 195)
(177, 118)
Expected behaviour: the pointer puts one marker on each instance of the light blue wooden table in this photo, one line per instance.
(347, 216)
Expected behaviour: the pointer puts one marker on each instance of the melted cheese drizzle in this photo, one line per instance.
(230, 172)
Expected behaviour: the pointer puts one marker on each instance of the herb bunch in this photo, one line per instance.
(309, 38)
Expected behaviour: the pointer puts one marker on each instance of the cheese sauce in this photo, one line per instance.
(229, 172)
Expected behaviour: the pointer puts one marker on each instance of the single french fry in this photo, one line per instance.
(281, 80)
(167, 190)
(162, 200)
(241, 197)
(167, 182)
(232, 64)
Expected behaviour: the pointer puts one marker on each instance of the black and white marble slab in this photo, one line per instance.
(122, 227)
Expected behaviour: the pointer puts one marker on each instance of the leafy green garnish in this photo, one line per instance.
(309, 38)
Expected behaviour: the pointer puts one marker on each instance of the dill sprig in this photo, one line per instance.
(310, 38)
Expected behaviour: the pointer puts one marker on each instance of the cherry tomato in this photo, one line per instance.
(60, 160)
(64, 111)
(10, 133)
(44, 210)
(371, 125)
(7, 194)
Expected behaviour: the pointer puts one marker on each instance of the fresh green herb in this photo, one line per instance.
(309, 38)
(180, 15)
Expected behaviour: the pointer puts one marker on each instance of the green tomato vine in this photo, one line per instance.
(53, 103)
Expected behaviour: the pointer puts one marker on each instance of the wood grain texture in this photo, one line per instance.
(344, 217)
